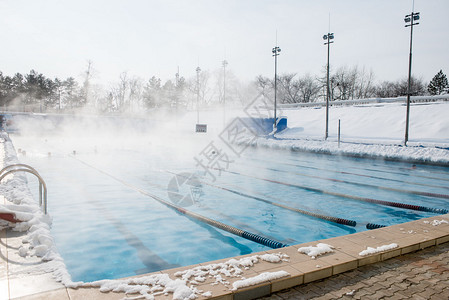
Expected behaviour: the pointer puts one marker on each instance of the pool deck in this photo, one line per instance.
(419, 266)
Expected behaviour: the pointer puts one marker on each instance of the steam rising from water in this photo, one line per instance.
(169, 137)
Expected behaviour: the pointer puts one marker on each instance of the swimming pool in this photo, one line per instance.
(105, 227)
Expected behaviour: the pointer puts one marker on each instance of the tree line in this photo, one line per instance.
(347, 84)
(36, 92)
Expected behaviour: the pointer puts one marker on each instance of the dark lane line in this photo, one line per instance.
(435, 195)
(357, 198)
(355, 174)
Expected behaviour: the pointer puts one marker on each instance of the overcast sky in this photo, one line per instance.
(146, 38)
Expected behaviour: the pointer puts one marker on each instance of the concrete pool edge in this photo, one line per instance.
(410, 237)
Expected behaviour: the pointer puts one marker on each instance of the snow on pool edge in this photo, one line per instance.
(415, 154)
(37, 240)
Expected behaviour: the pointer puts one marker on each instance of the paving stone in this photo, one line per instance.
(418, 278)
(418, 275)
(427, 293)
(397, 297)
(412, 289)
(439, 297)
(272, 297)
(399, 278)
(440, 286)
(394, 289)
(382, 293)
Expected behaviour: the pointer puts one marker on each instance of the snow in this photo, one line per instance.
(374, 122)
(185, 285)
(366, 130)
(261, 278)
(37, 240)
(351, 293)
(207, 294)
(314, 251)
(436, 222)
(231, 268)
(370, 250)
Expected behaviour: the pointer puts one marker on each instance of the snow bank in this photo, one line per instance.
(261, 278)
(185, 286)
(231, 268)
(370, 250)
(37, 240)
(367, 131)
(436, 222)
(314, 251)
(392, 152)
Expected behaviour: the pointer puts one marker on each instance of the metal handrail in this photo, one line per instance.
(26, 168)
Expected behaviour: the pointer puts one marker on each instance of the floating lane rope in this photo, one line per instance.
(242, 233)
(360, 175)
(393, 172)
(363, 199)
(434, 195)
(400, 173)
(304, 212)
(248, 227)
(374, 226)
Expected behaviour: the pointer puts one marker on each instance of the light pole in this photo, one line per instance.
(409, 20)
(276, 51)
(327, 37)
(198, 70)
(224, 63)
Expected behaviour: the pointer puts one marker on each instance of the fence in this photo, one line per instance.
(413, 99)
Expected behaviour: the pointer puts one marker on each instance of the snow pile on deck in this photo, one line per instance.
(186, 287)
(261, 278)
(370, 250)
(436, 222)
(314, 251)
(37, 240)
(231, 268)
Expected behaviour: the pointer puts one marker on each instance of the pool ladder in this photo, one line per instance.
(26, 168)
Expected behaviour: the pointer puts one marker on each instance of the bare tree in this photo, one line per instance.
(364, 84)
(289, 91)
(309, 88)
(400, 88)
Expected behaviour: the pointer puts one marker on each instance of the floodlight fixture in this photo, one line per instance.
(328, 37)
(276, 51)
(409, 19)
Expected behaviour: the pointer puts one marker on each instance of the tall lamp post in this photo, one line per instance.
(224, 63)
(409, 20)
(198, 70)
(327, 37)
(276, 51)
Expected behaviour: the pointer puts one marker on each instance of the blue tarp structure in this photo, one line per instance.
(264, 126)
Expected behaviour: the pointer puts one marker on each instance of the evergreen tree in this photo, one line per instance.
(439, 84)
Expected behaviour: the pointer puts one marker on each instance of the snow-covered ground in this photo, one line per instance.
(375, 123)
(375, 130)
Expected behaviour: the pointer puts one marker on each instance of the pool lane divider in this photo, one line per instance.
(357, 198)
(236, 231)
(304, 212)
(393, 172)
(357, 174)
(434, 195)
(208, 209)
(401, 173)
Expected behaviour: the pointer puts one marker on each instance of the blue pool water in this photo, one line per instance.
(105, 228)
